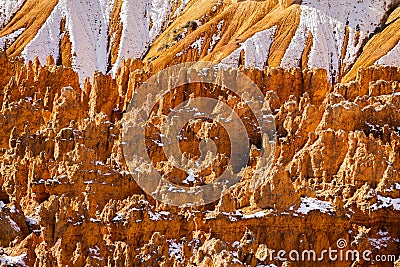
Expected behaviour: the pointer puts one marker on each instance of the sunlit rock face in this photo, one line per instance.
(338, 36)
(68, 197)
(63, 174)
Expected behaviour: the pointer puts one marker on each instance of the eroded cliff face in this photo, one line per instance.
(67, 197)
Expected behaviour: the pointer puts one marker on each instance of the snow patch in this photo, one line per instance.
(10, 38)
(93, 220)
(198, 44)
(142, 22)
(95, 250)
(46, 41)
(95, 253)
(216, 37)
(31, 221)
(12, 261)
(326, 21)
(7, 10)
(386, 202)
(158, 216)
(259, 214)
(14, 225)
(310, 204)
(383, 241)
(118, 217)
(181, 7)
(190, 178)
(175, 250)
(87, 24)
(392, 58)
(256, 50)
(12, 209)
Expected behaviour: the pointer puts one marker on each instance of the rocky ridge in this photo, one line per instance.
(90, 36)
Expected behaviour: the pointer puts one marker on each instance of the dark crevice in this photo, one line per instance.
(62, 33)
(109, 53)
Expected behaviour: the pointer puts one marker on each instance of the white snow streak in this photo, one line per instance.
(7, 9)
(326, 21)
(87, 23)
(256, 50)
(11, 261)
(10, 37)
(142, 23)
(386, 202)
(309, 204)
(392, 58)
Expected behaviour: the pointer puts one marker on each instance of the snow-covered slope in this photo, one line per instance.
(87, 23)
(339, 29)
(9, 38)
(392, 58)
(317, 33)
(256, 50)
(142, 21)
(7, 9)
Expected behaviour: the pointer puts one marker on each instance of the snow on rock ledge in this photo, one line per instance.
(310, 204)
(13, 261)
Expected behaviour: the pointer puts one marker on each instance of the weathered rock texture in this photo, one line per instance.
(66, 197)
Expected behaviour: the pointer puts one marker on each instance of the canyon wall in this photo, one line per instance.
(67, 197)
